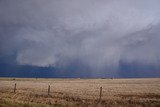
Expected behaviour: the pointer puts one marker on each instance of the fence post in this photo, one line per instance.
(48, 89)
(15, 87)
(100, 95)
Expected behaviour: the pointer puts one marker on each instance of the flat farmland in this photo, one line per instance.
(80, 92)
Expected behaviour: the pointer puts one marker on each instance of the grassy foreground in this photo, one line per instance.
(80, 92)
(9, 103)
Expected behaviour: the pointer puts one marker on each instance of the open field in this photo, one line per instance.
(80, 92)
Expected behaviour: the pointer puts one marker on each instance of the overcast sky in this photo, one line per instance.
(98, 37)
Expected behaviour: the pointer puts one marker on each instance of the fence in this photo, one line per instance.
(49, 88)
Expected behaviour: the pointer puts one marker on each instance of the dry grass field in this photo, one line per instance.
(79, 92)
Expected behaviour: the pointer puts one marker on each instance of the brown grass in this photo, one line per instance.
(83, 92)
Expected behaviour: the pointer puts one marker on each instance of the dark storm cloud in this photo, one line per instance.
(99, 34)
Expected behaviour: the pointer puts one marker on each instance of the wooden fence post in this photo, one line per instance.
(48, 89)
(100, 95)
(15, 87)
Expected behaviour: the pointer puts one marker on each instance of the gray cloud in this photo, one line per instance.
(98, 33)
